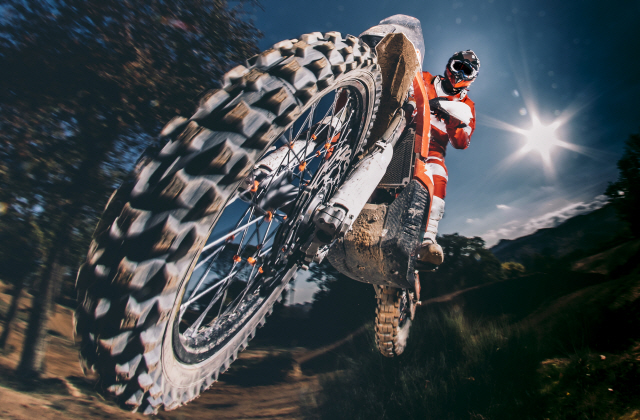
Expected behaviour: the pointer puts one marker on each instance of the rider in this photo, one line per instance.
(462, 69)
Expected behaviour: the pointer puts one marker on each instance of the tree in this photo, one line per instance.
(83, 86)
(20, 247)
(625, 192)
(466, 263)
(512, 270)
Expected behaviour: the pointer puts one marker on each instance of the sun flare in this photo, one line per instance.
(541, 138)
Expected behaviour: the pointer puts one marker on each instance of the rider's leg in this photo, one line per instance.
(430, 251)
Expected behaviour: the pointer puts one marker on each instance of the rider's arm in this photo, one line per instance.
(460, 133)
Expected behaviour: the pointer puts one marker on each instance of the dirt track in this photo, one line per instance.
(65, 393)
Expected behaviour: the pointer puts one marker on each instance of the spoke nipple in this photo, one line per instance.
(260, 270)
(259, 247)
(251, 260)
(284, 218)
(313, 137)
(255, 186)
(284, 249)
(269, 216)
(230, 238)
(327, 146)
(302, 166)
(318, 153)
(236, 258)
(290, 145)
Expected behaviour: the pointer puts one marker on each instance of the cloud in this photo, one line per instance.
(471, 220)
(551, 219)
(503, 207)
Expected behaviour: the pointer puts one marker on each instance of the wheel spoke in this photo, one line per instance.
(240, 249)
(306, 166)
(258, 255)
(186, 304)
(206, 273)
(218, 251)
(256, 233)
(208, 257)
(224, 297)
(231, 234)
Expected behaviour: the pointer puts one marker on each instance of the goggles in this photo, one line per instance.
(463, 69)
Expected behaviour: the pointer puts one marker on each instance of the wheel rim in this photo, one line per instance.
(250, 247)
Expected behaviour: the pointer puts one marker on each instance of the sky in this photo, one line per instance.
(574, 62)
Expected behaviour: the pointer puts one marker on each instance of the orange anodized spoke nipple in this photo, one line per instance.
(255, 186)
(251, 260)
(236, 258)
(268, 216)
(230, 238)
(302, 166)
(260, 270)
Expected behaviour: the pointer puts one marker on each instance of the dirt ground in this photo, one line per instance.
(65, 393)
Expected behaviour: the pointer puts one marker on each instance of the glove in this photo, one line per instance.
(436, 109)
(453, 123)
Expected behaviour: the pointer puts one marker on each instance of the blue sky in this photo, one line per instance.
(545, 57)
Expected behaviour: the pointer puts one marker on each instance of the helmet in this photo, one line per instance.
(462, 69)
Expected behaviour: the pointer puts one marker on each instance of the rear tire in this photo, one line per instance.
(393, 320)
(155, 226)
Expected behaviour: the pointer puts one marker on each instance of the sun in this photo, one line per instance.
(541, 138)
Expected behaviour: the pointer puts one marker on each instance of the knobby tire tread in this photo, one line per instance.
(156, 223)
(388, 325)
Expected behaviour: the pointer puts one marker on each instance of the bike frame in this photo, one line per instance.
(421, 171)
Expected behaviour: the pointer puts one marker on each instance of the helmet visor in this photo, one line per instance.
(463, 70)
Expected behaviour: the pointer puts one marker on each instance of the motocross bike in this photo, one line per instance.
(302, 154)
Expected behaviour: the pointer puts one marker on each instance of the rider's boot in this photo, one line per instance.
(430, 251)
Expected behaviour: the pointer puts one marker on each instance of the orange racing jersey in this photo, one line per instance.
(457, 133)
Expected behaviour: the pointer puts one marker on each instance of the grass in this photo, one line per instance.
(452, 369)
(589, 385)
(455, 368)
(556, 346)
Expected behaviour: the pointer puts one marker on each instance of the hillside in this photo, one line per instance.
(581, 234)
(561, 344)
(260, 384)
(550, 343)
